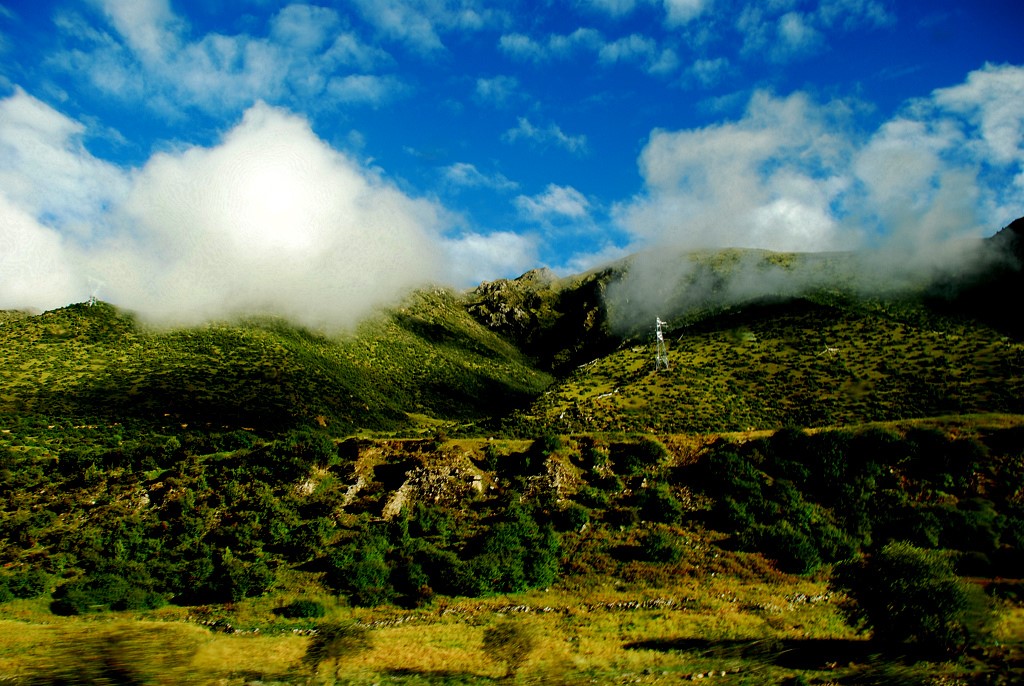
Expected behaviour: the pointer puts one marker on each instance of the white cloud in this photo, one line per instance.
(796, 37)
(365, 89)
(793, 174)
(269, 220)
(778, 31)
(679, 12)
(613, 8)
(46, 170)
(497, 91)
(708, 71)
(475, 257)
(552, 134)
(555, 46)
(34, 269)
(992, 99)
(419, 23)
(466, 175)
(151, 57)
(639, 49)
(751, 183)
(556, 201)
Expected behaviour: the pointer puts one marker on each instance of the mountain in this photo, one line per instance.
(756, 339)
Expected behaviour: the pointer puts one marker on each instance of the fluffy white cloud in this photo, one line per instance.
(992, 99)
(269, 220)
(793, 174)
(35, 271)
(551, 134)
(765, 181)
(555, 201)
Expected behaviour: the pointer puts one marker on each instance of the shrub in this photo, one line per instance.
(573, 517)
(510, 643)
(635, 458)
(302, 609)
(660, 546)
(905, 594)
(657, 504)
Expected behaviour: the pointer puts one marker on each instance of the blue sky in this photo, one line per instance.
(195, 160)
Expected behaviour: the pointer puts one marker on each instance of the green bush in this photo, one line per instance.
(636, 458)
(572, 517)
(657, 504)
(302, 609)
(660, 546)
(905, 594)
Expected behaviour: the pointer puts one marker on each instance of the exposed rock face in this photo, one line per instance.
(557, 321)
(448, 481)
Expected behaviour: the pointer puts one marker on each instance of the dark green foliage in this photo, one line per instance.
(656, 503)
(637, 457)
(104, 592)
(660, 546)
(807, 499)
(572, 517)
(517, 553)
(906, 594)
(24, 583)
(302, 609)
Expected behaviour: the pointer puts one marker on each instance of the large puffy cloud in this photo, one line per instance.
(765, 181)
(475, 257)
(271, 220)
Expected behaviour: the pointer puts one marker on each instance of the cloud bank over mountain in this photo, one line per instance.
(269, 220)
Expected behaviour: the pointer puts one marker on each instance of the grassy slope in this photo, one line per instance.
(797, 362)
(425, 357)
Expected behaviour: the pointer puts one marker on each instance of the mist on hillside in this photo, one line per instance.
(879, 211)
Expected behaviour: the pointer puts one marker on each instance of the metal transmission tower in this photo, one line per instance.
(661, 356)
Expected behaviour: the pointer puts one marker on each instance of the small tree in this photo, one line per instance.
(510, 643)
(905, 594)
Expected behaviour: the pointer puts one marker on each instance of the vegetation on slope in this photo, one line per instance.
(798, 362)
(426, 357)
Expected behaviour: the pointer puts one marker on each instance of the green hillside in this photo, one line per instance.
(426, 357)
(825, 486)
(798, 362)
